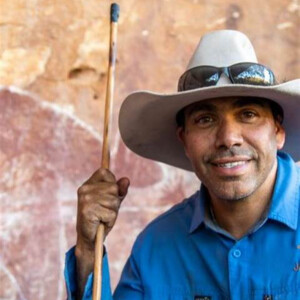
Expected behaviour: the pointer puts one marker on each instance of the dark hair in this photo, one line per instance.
(276, 109)
(180, 118)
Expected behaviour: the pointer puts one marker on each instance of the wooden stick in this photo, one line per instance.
(114, 16)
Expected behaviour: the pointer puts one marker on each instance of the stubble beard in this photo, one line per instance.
(237, 188)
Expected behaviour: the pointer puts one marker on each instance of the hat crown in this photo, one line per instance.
(222, 48)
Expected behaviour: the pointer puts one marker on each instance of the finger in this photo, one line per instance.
(101, 175)
(99, 188)
(123, 184)
(97, 214)
(107, 201)
(86, 231)
(108, 217)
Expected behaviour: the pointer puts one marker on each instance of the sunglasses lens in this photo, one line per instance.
(199, 77)
(254, 74)
(243, 73)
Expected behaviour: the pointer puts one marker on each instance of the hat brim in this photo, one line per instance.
(148, 126)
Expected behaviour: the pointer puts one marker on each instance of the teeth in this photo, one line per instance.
(231, 164)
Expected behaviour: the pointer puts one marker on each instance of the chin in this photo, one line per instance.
(232, 193)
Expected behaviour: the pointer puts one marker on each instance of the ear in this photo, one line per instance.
(280, 135)
(181, 135)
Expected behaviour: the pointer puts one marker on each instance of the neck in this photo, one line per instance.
(239, 216)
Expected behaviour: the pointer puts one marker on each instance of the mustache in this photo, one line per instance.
(229, 153)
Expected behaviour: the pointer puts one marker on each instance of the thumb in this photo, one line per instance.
(123, 184)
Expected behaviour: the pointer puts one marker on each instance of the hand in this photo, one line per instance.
(99, 200)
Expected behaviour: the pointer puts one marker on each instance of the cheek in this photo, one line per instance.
(197, 146)
(263, 139)
(190, 146)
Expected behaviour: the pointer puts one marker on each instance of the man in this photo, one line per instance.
(239, 236)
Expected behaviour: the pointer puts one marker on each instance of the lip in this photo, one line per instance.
(231, 166)
(225, 160)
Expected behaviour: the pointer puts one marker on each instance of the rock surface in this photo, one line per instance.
(53, 54)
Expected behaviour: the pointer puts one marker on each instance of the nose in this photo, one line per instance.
(228, 134)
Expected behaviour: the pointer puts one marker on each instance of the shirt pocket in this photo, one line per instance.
(294, 295)
(286, 287)
(176, 293)
(278, 296)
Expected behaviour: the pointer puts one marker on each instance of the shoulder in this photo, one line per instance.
(176, 220)
(181, 211)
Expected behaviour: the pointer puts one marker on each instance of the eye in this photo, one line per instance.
(249, 115)
(203, 119)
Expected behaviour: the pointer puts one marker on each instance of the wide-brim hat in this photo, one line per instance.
(147, 120)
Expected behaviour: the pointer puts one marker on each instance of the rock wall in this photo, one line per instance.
(53, 71)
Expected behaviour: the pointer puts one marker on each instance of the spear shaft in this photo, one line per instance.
(114, 16)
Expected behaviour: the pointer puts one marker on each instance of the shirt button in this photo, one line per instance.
(237, 253)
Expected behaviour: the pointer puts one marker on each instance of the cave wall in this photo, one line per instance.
(53, 71)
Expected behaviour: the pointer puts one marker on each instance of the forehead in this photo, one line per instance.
(227, 103)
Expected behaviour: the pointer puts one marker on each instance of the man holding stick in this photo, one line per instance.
(236, 238)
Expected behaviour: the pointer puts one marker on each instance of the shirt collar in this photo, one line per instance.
(285, 200)
(199, 209)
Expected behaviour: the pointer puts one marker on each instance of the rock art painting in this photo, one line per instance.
(45, 155)
(55, 55)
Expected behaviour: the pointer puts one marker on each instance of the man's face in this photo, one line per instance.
(232, 145)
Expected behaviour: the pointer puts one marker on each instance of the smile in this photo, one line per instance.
(230, 165)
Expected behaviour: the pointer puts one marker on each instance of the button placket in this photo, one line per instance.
(235, 265)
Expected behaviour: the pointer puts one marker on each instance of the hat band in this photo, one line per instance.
(241, 73)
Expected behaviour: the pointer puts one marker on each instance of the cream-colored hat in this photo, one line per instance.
(147, 120)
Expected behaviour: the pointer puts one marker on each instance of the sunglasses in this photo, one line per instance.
(241, 73)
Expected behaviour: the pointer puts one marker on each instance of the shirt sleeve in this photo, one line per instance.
(70, 279)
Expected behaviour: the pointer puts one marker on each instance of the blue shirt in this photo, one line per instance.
(183, 255)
